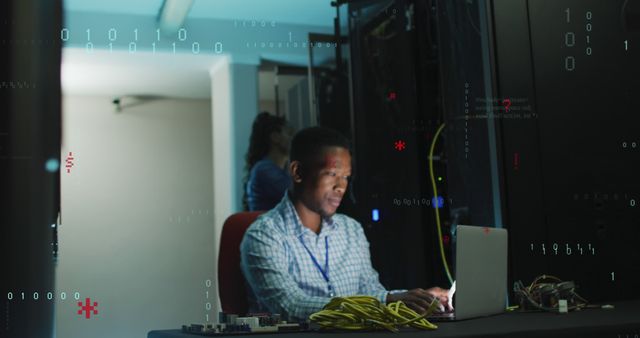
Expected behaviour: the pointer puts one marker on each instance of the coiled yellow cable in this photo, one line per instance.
(366, 313)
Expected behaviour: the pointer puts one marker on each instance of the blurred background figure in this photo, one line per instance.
(267, 175)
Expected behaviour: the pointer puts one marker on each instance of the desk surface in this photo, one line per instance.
(615, 323)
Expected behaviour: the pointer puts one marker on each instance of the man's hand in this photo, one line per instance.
(443, 295)
(420, 299)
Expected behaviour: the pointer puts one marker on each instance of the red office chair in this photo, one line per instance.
(233, 295)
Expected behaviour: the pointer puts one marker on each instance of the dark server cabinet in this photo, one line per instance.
(552, 108)
(581, 78)
(395, 96)
(30, 138)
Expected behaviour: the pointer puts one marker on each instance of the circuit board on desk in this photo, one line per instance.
(212, 330)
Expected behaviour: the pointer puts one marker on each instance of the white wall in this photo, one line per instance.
(137, 216)
(234, 87)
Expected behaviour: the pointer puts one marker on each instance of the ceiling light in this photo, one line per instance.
(172, 15)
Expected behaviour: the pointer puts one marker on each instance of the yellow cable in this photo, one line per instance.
(436, 206)
(365, 312)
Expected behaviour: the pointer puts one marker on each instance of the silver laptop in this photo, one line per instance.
(480, 287)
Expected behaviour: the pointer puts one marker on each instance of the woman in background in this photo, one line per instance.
(267, 176)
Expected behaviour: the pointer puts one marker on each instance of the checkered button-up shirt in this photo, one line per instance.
(281, 275)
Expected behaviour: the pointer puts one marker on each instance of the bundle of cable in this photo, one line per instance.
(545, 292)
(368, 313)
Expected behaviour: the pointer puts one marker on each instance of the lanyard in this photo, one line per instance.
(325, 271)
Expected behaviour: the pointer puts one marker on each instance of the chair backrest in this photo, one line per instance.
(233, 295)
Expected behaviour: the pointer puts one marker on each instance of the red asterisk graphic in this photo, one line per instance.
(392, 96)
(446, 239)
(399, 145)
(87, 307)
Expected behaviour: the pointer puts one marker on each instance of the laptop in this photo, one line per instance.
(480, 287)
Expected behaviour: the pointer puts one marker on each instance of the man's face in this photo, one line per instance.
(326, 181)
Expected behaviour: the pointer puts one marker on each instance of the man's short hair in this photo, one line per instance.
(309, 143)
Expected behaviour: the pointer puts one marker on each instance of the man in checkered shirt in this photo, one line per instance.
(300, 254)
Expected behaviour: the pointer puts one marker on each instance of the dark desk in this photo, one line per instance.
(621, 322)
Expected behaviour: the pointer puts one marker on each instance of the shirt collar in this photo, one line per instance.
(328, 223)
